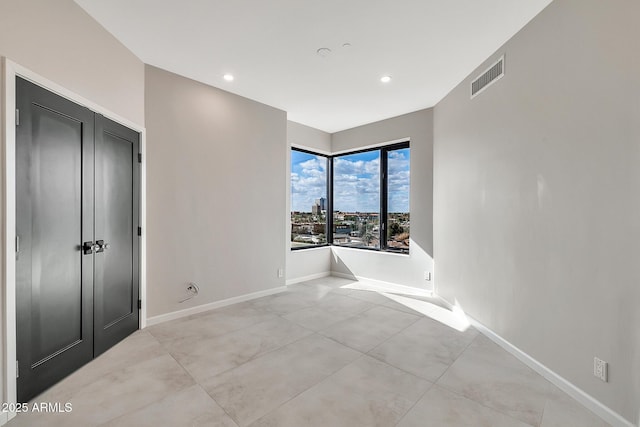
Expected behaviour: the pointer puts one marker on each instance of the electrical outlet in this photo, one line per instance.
(427, 276)
(280, 272)
(600, 368)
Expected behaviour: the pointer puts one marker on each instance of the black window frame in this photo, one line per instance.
(384, 196)
(329, 202)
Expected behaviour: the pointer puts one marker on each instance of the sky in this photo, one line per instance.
(356, 181)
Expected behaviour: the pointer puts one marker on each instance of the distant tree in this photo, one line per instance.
(395, 229)
(368, 237)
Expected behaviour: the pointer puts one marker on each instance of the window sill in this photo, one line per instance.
(379, 251)
(304, 248)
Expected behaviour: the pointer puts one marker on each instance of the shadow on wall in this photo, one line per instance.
(415, 269)
(424, 244)
(339, 267)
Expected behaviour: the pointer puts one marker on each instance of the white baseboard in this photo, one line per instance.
(344, 275)
(3, 418)
(216, 304)
(309, 277)
(588, 401)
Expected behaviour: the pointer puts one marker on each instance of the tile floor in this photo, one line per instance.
(318, 354)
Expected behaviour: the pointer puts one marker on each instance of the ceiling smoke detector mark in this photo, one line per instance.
(324, 52)
(491, 75)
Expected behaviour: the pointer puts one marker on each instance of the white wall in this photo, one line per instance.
(388, 267)
(216, 199)
(304, 264)
(60, 42)
(537, 196)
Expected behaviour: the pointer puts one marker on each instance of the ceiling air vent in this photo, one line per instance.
(486, 79)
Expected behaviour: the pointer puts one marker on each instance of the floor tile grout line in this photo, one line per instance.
(163, 352)
(361, 356)
(416, 313)
(159, 399)
(312, 332)
(222, 407)
(316, 306)
(402, 370)
(361, 314)
(163, 342)
(457, 393)
(258, 356)
(543, 412)
(415, 403)
(399, 368)
(313, 385)
(457, 357)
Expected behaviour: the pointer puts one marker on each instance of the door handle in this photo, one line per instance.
(101, 246)
(88, 247)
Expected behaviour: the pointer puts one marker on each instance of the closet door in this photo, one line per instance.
(54, 218)
(117, 178)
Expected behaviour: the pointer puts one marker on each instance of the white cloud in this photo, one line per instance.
(308, 183)
(356, 183)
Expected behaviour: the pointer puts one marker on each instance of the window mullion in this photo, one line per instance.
(383, 199)
(329, 232)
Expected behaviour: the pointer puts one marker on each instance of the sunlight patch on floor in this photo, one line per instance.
(389, 288)
(455, 319)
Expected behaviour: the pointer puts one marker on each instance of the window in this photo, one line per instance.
(371, 199)
(309, 204)
(362, 197)
(398, 225)
(356, 200)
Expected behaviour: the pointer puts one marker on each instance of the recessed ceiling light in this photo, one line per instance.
(228, 77)
(385, 79)
(324, 51)
(346, 45)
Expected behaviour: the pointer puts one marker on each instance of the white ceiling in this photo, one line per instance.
(427, 46)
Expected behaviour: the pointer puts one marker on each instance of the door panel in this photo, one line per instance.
(56, 281)
(77, 181)
(54, 215)
(116, 223)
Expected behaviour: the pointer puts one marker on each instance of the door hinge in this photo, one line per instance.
(139, 231)
(139, 304)
(17, 370)
(139, 157)
(17, 243)
(17, 117)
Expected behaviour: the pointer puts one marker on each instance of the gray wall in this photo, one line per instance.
(307, 137)
(216, 177)
(537, 196)
(60, 42)
(387, 267)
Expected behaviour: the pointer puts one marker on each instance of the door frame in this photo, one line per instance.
(11, 70)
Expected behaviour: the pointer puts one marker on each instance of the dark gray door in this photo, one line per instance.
(54, 216)
(116, 225)
(77, 215)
